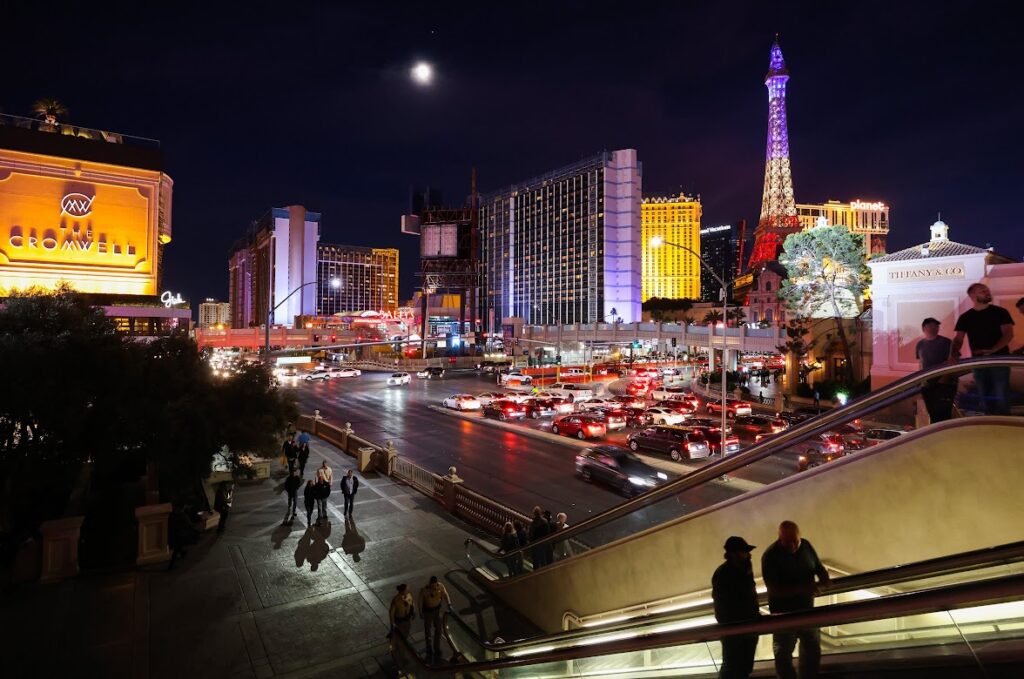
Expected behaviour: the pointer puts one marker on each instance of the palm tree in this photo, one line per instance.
(714, 317)
(737, 315)
(50, 110)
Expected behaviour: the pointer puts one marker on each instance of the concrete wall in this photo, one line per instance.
(930, 493)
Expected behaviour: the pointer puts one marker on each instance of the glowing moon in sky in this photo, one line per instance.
(422, 73)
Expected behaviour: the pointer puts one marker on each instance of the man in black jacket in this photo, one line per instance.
(349, 486)
(735, 597)
(789, 567)
(291, 486)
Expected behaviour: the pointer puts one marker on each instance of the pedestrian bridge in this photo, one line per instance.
(742, 338)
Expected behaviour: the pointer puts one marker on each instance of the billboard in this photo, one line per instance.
(96, 230)
(439, 240)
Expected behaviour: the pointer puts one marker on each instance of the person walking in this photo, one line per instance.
(989, 330)
(222, 503)
(303, 456)
(522, 536)
(290, 451)
(789, 567)
(817, 399)
(324, 480)
(179, 533)
(932, 351)
(291, 486)
(540, 528)
(309, 498)
(402, 611)
(349, 486)
(735, 597)
(431, 598)
(510, 543)
(563, 550)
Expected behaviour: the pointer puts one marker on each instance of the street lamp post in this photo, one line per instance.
(335, 283)
(658, 241)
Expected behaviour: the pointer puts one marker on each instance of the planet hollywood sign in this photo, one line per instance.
(861, 205)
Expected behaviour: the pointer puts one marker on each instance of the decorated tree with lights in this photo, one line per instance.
(827, 277)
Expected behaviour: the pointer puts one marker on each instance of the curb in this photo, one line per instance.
(656, 462)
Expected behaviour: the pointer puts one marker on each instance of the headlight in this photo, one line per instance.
(636, 480)
(663, 476)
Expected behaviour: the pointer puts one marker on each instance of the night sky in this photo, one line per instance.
(915, 104)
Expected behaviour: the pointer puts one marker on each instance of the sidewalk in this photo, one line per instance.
(262, 600)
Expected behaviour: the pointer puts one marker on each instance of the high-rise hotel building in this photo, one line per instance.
(565, 247)
(367, 279)
(214, 314)
(718, 247)
(869, 219)
(667, 271)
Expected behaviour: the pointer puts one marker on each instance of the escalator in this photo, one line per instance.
(963, 611)
(945, 489)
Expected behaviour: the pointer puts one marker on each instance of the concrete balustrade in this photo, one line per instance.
(60, 548)
(153, 547)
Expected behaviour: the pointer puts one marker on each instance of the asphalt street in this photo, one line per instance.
(514, 469)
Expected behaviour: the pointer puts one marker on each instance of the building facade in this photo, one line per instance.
(868, 219)
(565, 246)
(367, 279)
(214, 314)
(91, 209)
(275, 265)
(763, 303)
(670, 272)
(718, 248)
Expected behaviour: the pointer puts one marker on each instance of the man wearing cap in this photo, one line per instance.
(732, 589)
(934, 350)
(789, 567)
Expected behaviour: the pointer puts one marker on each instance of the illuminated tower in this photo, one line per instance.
(778, 207)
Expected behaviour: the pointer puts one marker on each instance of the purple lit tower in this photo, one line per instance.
(778, 206)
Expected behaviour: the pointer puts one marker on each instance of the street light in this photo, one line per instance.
(335, 283)
(658, 241)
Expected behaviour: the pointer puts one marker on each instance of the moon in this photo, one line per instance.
(422, 73)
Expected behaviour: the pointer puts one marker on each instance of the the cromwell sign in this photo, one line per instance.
(931, 273)
(76, 205)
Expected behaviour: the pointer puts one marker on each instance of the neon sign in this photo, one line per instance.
(860, 205)
(76, 205)
(170, 299)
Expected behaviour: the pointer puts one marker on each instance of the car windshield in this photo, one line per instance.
(396, 374)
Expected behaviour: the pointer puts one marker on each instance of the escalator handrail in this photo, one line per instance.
(949, 597)
(943, 565)
(857, 408)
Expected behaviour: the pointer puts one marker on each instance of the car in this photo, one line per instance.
(491, 367)
(573, 372)
(759, 424)
(733, 407)
(708, 423)
(599, 370)
(818, 450)
(793, 418)
(322, 375)
(573, 392)
(345, 372)
(678, 405)
(637, 388)
(287, 372)
(664, 416)
(628, 401)
(870, 437)
(503, 409)
(537, 408)
(676, 394)
(562, 406)
(399, 378)
(461, 402)
(713, 435)
(677, 442)
(489, 396)
(613, 418)
(580, 426)
(619, 468)
(595, 403)
(671, 372)
(519, 396)
(432, 373)
(514, 376)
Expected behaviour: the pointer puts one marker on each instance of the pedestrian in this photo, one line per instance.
(735, 597)
(431, 598)
(309, 498)
(402, 611)
(303, 438)
(222, 503)
(522, 536)
(760, 397)
(349, 486)
(932, 351)
(540, 528)
(789, 567)
(291, 486)
(563, 550)
(323, 491)
(290, 451)
(988, 329)
(510, 543)
(817, 399)
(179, 533)
(786, 402)
(303, 458)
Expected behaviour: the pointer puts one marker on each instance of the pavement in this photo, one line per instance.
(261, 600)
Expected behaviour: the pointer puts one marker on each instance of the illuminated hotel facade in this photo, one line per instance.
(91, 209)
(213, 314)
(565, 246)
(666, 271)
(869, 219)
(367, 279)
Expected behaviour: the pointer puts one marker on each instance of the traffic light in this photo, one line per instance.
(673, 342)
(636, 344)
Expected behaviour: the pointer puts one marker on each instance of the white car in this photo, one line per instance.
(573, 392)
(597, 403)
(518, 396)
(663, 416)
(461, 402)
(515, 377)
(666, 393)
(345, 372)
(322, 375)
(397, 379)
(489, 396)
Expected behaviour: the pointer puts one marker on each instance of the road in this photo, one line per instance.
(514, 469)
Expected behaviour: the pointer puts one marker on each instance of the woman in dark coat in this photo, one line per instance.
(309, 498)
(510, 543)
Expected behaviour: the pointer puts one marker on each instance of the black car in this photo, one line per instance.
(539, 407)
(618, 468)
(676, 442)
(504, 409)
(709, 423)
(435, 372)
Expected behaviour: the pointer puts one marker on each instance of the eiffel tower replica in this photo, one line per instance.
(778, 206)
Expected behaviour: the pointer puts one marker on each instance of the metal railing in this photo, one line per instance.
(948, 598)
(900, 390)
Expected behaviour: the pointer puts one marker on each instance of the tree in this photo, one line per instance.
(713, 317)
(827, 277)
(50, 110)
(737, 315)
